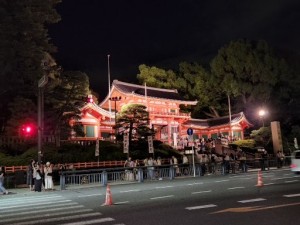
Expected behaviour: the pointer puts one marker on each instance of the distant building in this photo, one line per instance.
(166, 118)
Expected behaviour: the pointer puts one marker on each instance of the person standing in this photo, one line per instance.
(30, 180)
(48, 176)
(38, 178)
(2, 188)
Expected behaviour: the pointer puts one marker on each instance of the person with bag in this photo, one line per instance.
(48, 177)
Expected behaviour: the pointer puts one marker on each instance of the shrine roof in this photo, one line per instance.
(206, 123)
(141, 90)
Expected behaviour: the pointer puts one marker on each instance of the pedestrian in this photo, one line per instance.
(38, 178)
(280, 158)
(2, 175)
(30, 175)
(150, 167)
(174, 162)
(48, 176)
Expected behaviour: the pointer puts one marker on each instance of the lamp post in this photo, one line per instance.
(115, 99)
(262, 114)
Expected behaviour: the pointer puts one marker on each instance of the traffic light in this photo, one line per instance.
(27, 130)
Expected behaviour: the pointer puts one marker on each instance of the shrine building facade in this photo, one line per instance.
(163, 105)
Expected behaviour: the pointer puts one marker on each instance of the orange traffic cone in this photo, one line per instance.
(108, 198)
(259, 179)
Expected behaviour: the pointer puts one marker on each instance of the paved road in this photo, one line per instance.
(232, 199)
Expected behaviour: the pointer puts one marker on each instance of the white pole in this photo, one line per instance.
(109, 102)
(194, 168)
(229, 109)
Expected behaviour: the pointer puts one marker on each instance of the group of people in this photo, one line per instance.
(39, 176)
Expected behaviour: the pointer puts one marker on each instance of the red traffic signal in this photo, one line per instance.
(27, 130)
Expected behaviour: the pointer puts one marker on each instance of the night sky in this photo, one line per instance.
(163, 33)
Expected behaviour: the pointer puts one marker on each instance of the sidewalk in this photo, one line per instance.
(25, 190)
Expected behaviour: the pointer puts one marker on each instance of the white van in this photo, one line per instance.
(295, 163)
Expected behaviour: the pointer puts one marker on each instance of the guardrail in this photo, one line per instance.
(127, 175)
(113, 172)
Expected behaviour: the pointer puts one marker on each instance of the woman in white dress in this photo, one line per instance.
(48, 177)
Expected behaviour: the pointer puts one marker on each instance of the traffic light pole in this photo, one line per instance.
(41, 84)
(40, 125)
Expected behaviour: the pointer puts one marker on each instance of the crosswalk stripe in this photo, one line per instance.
(32, 204)
(29, 199)
(35, 210)
(39, 211)
(58, 219)
(36, 216)
(91, 221)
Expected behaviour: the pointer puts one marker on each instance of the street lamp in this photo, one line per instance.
(262, 113)
(115, 99)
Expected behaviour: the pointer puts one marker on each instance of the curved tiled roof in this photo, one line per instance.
(99, 110)
(206, 123)
(151, 91)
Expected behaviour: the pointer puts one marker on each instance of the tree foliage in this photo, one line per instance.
(24, 48)
(248, 71)
(133, 120)
(63, 99)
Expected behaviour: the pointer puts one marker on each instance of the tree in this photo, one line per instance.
(23, 111)
(156, 77)
(248, 71)
(133, 120)
(63, 99)
(24, 44)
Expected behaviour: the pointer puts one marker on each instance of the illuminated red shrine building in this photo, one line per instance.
(163, 105)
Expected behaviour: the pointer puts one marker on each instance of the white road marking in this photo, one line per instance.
(32, 204)
(291, 181)
(268, 184)
(167, 196)
(233, 188)
(252, 200)
(135, 190)
(195, 183)
(45, 215)
(292, 195)
(91, 221)
(200, 192)
(120, 203)
(201, 207)
(164, 187)
(218, 181)
(281, 178)
(92, 195)
(45, 210)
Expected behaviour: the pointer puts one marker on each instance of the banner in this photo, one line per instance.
(150, 144)
(125, 143)
(97, 148)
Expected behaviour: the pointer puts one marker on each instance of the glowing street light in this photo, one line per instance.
(262, 113)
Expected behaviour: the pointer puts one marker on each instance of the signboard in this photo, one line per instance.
(125, 143)
(97, 148)
(150, 144)
(43, 81)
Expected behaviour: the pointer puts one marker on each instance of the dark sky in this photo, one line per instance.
(163, 32)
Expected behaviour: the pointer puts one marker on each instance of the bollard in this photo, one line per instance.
(171, 172)
(62, 181)
(140, 175)
(104, 178)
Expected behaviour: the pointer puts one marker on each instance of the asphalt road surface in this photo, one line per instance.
(209, 200)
